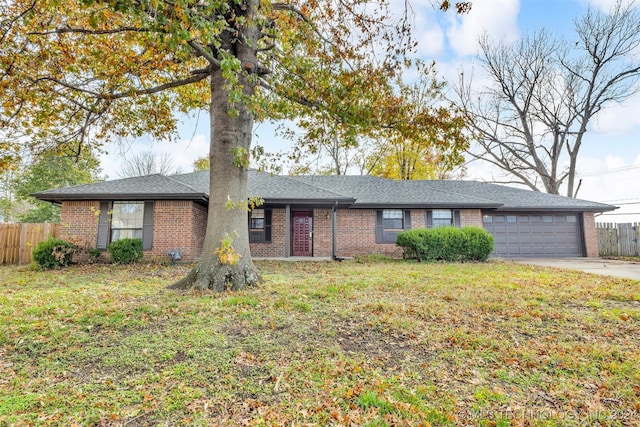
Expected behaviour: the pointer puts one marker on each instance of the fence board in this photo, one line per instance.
(18, 240)
(618, 239)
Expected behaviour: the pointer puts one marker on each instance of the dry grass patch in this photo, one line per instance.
(377, 344)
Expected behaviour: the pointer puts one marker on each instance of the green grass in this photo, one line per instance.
(372, 342)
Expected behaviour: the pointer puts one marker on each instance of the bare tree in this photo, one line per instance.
(531, 121)
(147, 163)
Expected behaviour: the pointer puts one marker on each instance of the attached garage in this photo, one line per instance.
(518, 234)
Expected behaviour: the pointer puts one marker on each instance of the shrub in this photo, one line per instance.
(446, 244)
(126, 251)
(414, 243)
(53, 253)
(478, 244)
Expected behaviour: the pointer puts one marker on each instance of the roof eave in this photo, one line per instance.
(309, 202)
(444, 205)
(557, 209)
(58, 198)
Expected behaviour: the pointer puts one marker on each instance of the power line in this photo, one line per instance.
(607, 171)
(629, 203)
(623, 213)
(621, 200)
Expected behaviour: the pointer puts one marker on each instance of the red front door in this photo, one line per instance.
(301, 229)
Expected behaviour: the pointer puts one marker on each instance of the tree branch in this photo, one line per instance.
(198, 76)
(200, 50)
(87, 31)
(301, 15)
(173, 84)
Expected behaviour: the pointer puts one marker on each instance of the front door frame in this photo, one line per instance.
(308, 235)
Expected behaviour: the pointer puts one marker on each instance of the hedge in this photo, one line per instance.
(446, 244)
(125, 251)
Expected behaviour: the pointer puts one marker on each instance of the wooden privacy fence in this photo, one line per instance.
(618, 239)
(18, 240)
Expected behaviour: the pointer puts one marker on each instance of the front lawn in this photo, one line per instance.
(320, 343)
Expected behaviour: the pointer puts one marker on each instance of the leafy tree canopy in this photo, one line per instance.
(78, 72)
(49, 171)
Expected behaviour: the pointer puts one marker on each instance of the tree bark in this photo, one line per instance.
(231, 128)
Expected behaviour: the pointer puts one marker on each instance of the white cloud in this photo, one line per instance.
(182, 153)
(612, 180)
(431, 41)
(498, 18)
(428, 33)
(618, 119)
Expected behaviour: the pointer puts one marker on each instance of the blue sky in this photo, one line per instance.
(609, 161)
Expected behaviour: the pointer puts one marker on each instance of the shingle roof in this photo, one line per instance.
(516, 198)
(355, 191)
(144, 187)
(371, 191)
(279, 188)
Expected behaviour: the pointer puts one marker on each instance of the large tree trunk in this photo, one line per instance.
(226, 262)
(227, 266)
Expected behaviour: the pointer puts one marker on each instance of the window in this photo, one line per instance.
(257, 219)
(512, 219)
(392, 219)
(487, 219)
(442, 218)
(260, 226)
(126, 220)
(390, 222)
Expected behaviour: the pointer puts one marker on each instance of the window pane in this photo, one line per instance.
(257, 219)
(441, 223)
(442, 214)
(392, 214)
(392, 224)
(127, 215)
(128, 233)
(512, 218)
(487, 218)
(257, 223)
(441, 218)
(392, 219)
(571, 218)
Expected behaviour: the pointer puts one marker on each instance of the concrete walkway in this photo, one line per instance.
(607, 267)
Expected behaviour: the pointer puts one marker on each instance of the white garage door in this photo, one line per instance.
(534, 235)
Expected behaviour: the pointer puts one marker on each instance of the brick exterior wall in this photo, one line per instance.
(590, 234)
(172, 228)
(198, 231)
(357, 234)
(322, 232)
(176, 224)
(471, 217)
(80, 222)
(276, 247)
(418, 218)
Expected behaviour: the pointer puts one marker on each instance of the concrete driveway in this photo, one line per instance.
(623, 269)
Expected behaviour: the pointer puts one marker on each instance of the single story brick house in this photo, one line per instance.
(326, 216)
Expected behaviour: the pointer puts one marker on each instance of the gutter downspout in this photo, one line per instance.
(334, 226)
